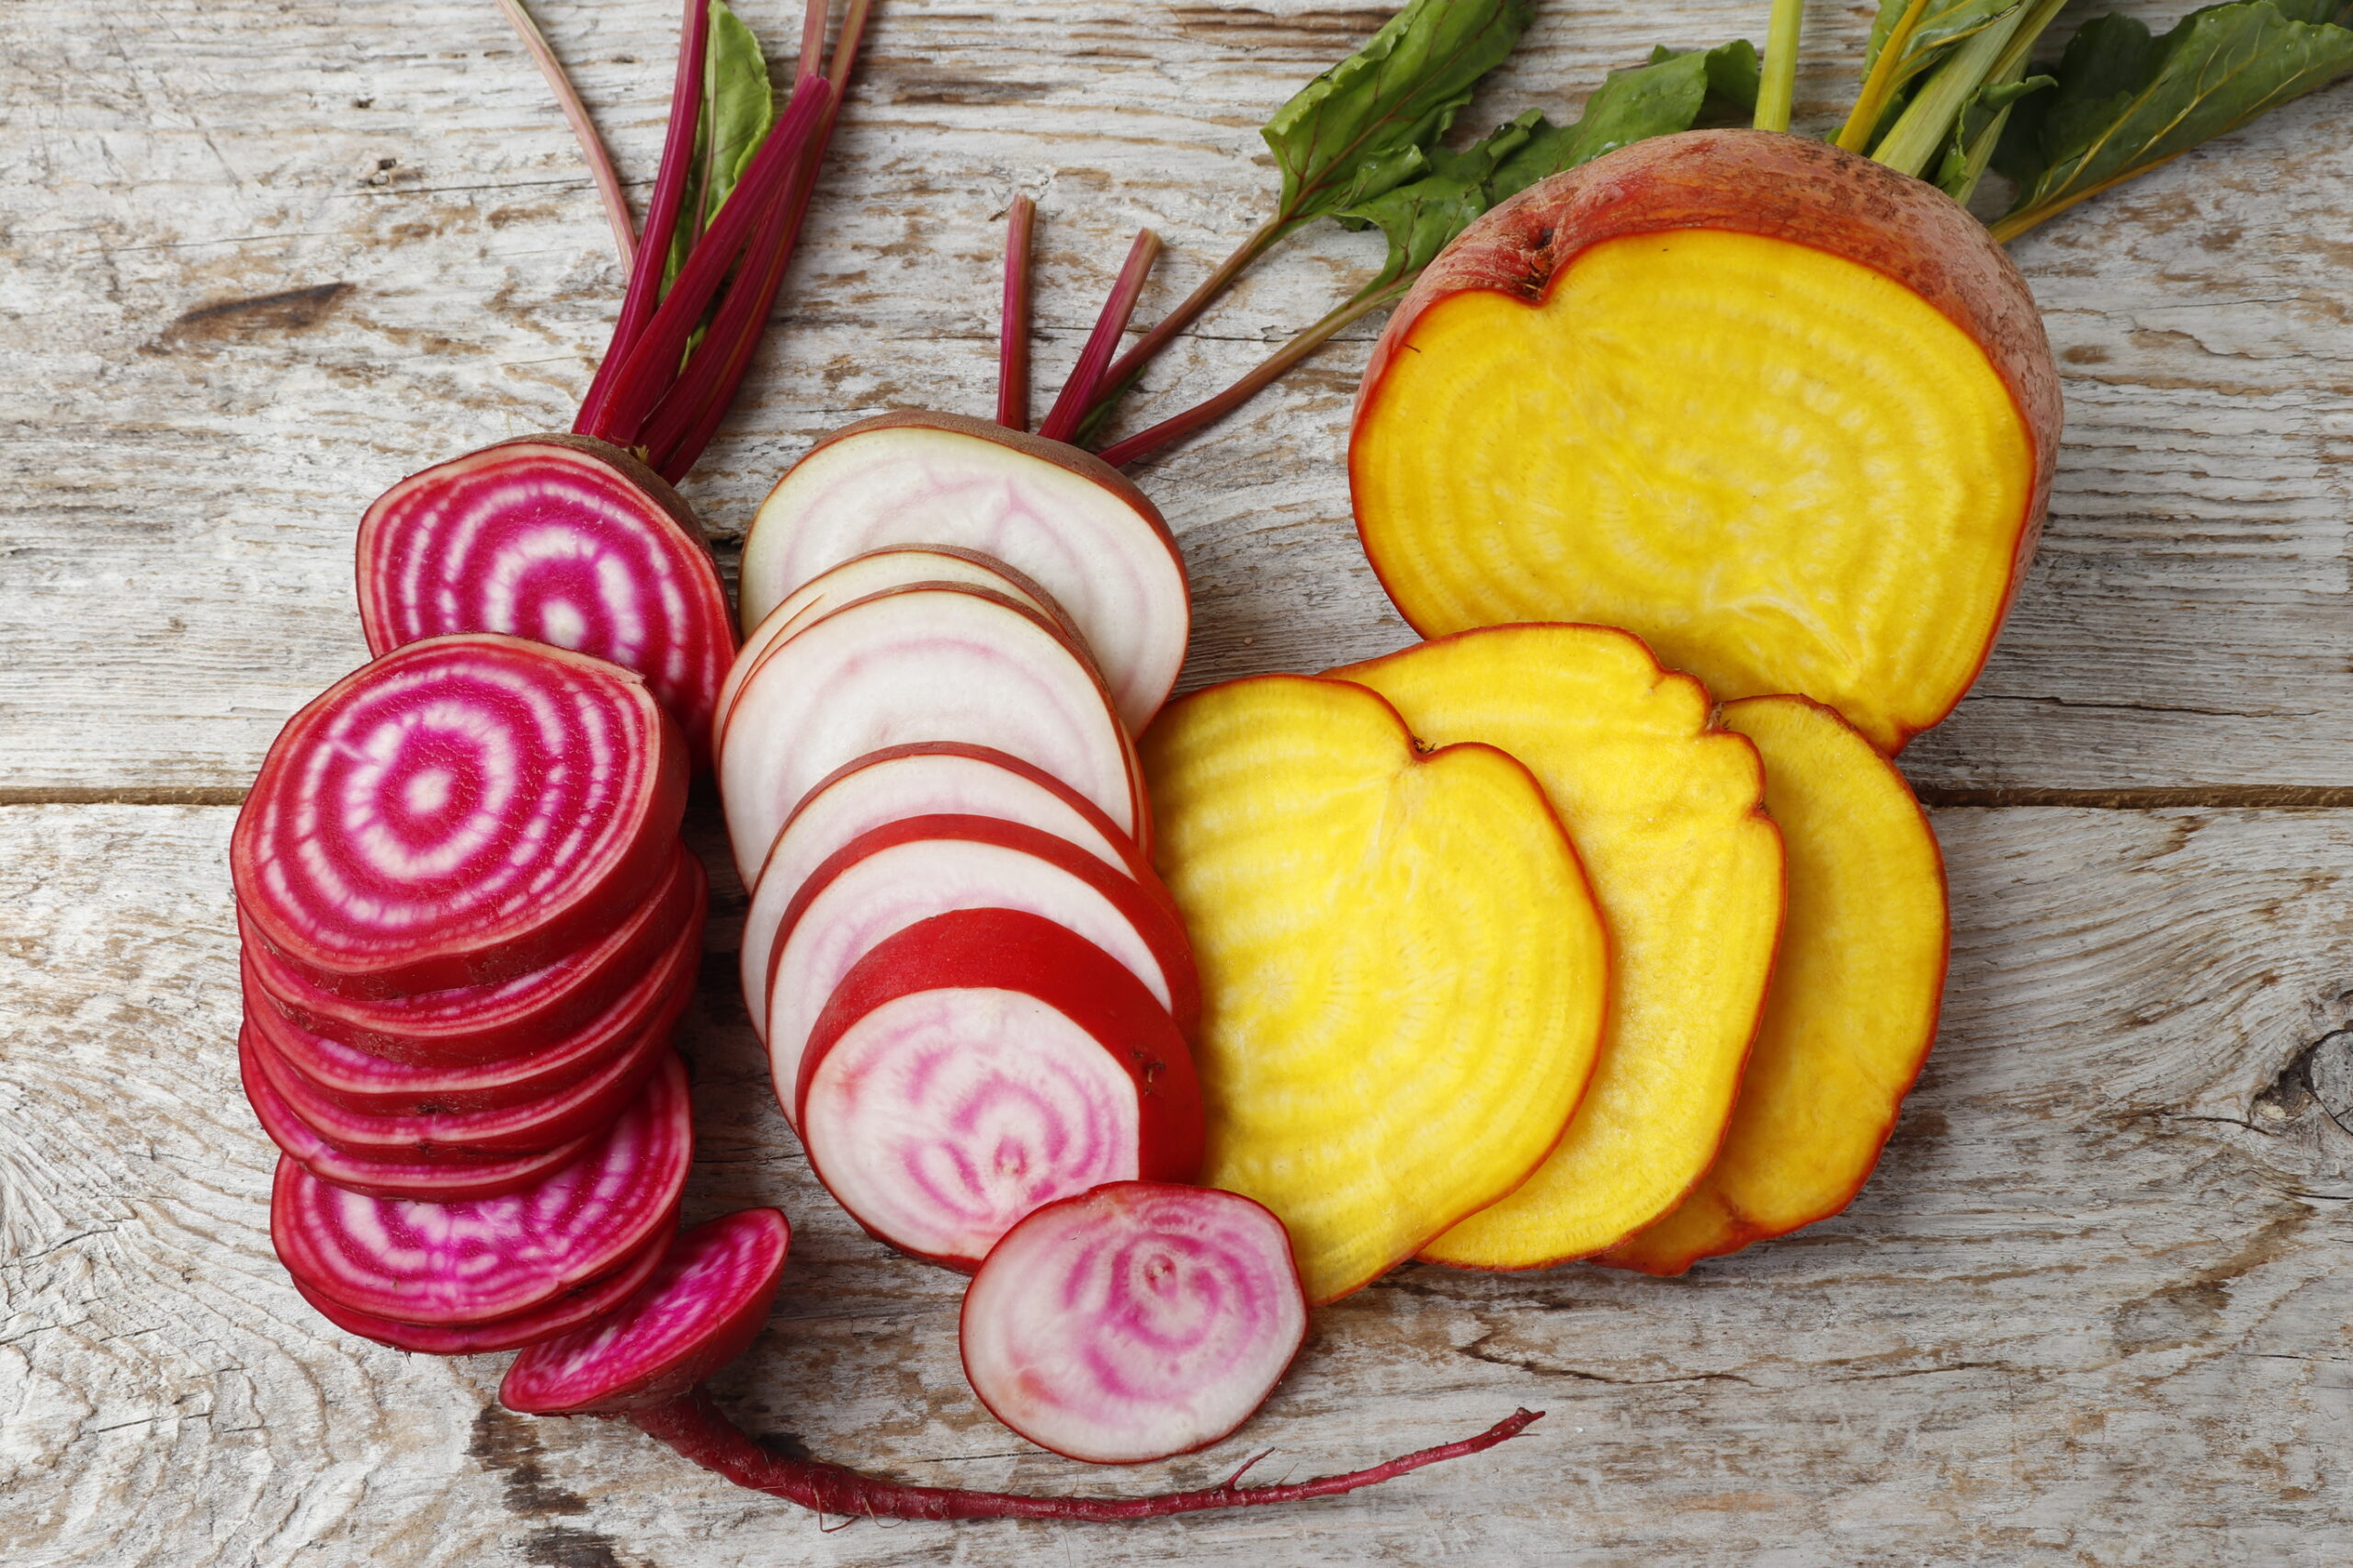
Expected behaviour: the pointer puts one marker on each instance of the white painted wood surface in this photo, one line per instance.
(260, 258)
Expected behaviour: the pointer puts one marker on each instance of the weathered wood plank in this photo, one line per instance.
(2093, 1310)
(257, 260)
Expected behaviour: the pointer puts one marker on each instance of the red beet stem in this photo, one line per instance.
(575, 113)
(1078, 392)
(1013, 323)
(693, 1425)
(661, 214)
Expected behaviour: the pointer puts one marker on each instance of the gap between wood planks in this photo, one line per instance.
(2211, 797)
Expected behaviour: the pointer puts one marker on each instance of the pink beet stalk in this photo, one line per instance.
(1013, 324)
(575, 113)
(1078, 392)
(693, 1425)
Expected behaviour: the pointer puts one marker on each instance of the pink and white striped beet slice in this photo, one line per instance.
(899, 782)
(433, 1181)
(703, 1307)
(913, 665)
(468, 1262)
(546, 1009)
(899, 566)
(1066, 519)
(887, 878)
(565, 1314)
(1135, 1321)
(980, 1064)
(562, 540)
(464, 810)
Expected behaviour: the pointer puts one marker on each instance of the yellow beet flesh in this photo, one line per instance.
(1667, 811)
(1782, 469)
(1853, 1006)
(1403, 974)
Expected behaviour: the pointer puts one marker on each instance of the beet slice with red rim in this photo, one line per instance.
(564, 540)
(467, 1263)
(464, 810)
(567, 1312)
(545, 1010)
(899, 782)
(701, 1308)
(978, 1064)
(1135, 1321)
(915, 665)
(889, 878)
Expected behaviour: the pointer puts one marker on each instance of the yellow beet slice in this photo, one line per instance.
(1785, 415)
(1403, 974)
(1853, 1006)
(1667, 811)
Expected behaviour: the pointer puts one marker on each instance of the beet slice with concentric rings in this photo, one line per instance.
(546, 1009)
(464, 810)
(564, 540)
(566, 1314)
(899, 782)
(980, 1063)
(1134, 1322)
(703, 1308)
(886, 879)
(467, 1263)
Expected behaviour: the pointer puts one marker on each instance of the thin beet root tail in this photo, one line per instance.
(693, 1425)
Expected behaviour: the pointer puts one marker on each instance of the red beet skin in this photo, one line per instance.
(703, 1308)
(564, 539)
(462, 811)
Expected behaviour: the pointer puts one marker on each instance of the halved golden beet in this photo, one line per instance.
(1855, 993)
(1787, 415)
(1667, 809)
(1403, 971)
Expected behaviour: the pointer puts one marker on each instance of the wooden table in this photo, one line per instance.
(260, 258)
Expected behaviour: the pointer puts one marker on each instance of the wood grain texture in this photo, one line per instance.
(2093, 1310)
(258, 258)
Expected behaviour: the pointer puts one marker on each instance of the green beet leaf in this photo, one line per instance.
(738, 109)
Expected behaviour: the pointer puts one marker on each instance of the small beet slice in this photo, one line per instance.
(567, 1312)
(467, 1263)
(703, 1306)
(543, 1010)
(913, 665)
(1134, 1322)
(464, 810)
(980, 1063)
(564, 539)
(900, 566)
(887, 880)
(1065, 519)
(899, 782)
(427, 1181)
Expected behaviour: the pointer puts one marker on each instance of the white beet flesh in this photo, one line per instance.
(1134, 1322)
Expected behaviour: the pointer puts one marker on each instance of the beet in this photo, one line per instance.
(565, 1006)
(467, 1263)
(564, 539)
(1134, 1322)
(464, 810)
(701, 1308)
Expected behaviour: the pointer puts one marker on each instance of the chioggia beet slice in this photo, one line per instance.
(913, 665)
(564, 539)
(545, 1010)
(980, 1064)
(464, 810)
(900, 566)
(703, 1306)
(431, 1181)
(465, 1263)
(1133, 1321)
(899, 782)
(567, 1312)
(887, 880)
(1061, 517)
